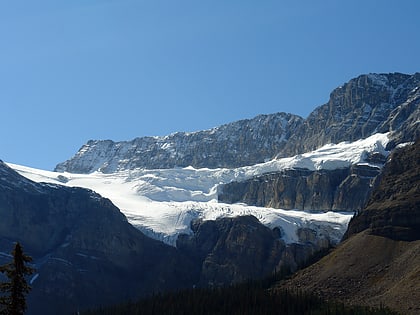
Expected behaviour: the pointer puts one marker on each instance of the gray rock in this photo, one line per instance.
(393, 210)
(305, 190)
(232, 250)
(365, 105)
(244, 142)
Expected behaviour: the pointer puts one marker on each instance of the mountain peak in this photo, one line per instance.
(240, 143)
(367, 104)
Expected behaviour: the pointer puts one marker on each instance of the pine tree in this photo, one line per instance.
(12, 292)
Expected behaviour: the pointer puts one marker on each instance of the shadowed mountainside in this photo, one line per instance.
(84, 250)
(378, 262)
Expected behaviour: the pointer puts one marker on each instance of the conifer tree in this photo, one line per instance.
(13, 291)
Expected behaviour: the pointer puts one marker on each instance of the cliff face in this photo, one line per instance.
(244, 142)
(231, 250)
(363, 106)
(305, 189)
(394, 208)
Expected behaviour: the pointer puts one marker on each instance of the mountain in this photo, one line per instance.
(322, 190)
(363, 106)
(393, 210)
(378, 261)
(87, 254)
(368, 104)
(219, 207)
(84, 250)
(245, 142)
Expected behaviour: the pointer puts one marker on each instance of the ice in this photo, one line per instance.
(163, 202)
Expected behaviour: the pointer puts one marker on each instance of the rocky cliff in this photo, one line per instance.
(303, 189)
(244, 142)
(393, 210)
(365, 105)
(232, 250)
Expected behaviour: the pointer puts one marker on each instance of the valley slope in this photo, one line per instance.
(378, 263)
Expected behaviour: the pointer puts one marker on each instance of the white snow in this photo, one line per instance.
(163, 202)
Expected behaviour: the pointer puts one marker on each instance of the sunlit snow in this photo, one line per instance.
(163, 202)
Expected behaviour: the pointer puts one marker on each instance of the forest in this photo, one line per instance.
(252, 297)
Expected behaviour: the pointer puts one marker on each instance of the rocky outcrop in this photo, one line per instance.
(232, 250)
(244, 142)
(305, 189)
(365, 105)
(394, 208)
(84, 250)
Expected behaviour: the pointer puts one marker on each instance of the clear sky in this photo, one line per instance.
(76, 70)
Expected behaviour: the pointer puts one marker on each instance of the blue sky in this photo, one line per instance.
(76, 70)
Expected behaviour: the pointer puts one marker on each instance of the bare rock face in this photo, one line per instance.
(394, 208)
(231, 250)
(244, 142)
(365, 105)
(305, 189)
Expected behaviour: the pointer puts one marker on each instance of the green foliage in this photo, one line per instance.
(13, 291)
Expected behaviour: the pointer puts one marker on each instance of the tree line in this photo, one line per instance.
(250, 298)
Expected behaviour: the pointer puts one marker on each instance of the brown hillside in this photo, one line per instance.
(379, 262)
(367, 270)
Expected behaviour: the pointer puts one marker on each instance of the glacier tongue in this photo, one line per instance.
(163, 202)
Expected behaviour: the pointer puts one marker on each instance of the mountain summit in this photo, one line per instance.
(245, 142)
(364, 106)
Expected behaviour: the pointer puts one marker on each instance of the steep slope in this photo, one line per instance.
(322, 190)
(394, 208)
(365, 105)
(85, 252)
(244, 142)
(232, 250)
(378, 262)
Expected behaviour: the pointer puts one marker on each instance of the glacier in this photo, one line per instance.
(162, 203)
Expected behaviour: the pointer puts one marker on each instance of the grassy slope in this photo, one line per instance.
(367, 270)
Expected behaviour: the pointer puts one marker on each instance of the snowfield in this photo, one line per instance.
(163, 202)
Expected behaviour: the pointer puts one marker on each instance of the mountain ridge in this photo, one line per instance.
(216, 147)
(365, 105)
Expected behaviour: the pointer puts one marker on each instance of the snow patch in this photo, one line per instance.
(162, 203)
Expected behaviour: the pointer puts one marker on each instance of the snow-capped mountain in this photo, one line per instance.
(162, 203)
(360, 108)
(363, 106)
(245, 142)
(235, 202)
